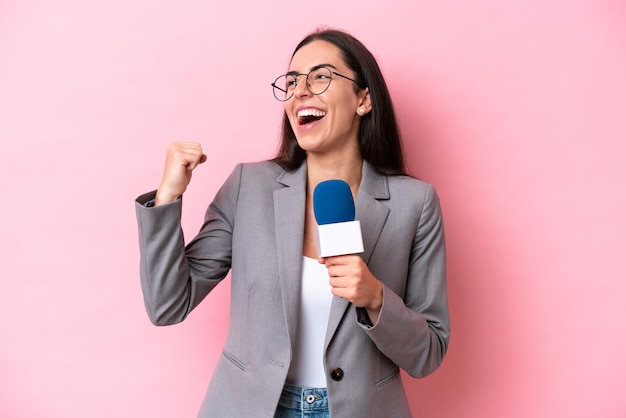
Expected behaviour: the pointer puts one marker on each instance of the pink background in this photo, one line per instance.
(516, 111)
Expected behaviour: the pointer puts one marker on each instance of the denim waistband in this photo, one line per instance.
(304, 398)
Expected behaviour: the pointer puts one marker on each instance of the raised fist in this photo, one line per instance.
(181, 159)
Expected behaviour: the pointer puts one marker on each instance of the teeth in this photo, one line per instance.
(311, 112)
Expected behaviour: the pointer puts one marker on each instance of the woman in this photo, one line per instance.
(322, 335)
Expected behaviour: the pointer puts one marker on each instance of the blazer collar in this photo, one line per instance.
(374, 184)
(292, 178)
(370, 211)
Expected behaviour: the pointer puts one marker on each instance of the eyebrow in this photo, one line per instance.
(315, 67)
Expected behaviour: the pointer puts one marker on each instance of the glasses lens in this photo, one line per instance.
(283, 87)
(319, 80)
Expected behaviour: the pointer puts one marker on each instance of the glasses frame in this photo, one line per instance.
(308, 87)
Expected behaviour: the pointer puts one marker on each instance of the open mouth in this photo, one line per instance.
(307, 116)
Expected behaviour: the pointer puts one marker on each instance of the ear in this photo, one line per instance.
(365, 102)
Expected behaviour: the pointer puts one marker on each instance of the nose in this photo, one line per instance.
(301, 88)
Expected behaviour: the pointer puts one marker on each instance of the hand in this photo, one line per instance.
(181, 159)
(351, 279)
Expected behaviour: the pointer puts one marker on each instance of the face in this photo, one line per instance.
(328, 122)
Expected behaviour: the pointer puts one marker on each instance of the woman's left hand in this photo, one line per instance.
(351, 279)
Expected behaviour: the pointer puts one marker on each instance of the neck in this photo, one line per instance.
(348, 170)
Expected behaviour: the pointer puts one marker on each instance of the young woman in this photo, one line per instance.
(325, 336)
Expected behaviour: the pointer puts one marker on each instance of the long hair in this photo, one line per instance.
(379, 136)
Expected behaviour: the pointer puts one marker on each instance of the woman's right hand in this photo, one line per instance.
(182, 158)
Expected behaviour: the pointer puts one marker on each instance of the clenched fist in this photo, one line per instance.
(182, 158)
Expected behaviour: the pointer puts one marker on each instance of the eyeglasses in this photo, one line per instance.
(317, 82)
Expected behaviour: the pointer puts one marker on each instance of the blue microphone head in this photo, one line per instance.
(332, 202)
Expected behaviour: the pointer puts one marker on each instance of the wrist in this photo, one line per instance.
(163, 198)
(377, 302)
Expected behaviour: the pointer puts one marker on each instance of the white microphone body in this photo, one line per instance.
(339, 239)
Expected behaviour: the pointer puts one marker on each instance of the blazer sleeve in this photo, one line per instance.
(413, 331)
(175, 278)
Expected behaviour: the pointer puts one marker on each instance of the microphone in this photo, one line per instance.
(337, 231)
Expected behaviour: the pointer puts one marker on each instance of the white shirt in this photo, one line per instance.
(307, 364)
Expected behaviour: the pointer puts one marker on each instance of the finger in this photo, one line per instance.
(196, 161)
(192, 163)
(187, 156)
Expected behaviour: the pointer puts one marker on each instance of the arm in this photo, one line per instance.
(413, 330)
(175, 278)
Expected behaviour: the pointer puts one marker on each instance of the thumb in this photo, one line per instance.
(193, 164)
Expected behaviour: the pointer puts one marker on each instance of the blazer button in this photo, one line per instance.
(336, 374)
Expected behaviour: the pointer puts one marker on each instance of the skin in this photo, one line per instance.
(331, 144)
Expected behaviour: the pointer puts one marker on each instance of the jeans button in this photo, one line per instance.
(336, 374)
(310, 399)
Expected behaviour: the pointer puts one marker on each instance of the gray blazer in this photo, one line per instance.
(254, 227)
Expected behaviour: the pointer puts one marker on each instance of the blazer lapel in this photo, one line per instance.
(369, 210)
(289, 228)
(372, 214)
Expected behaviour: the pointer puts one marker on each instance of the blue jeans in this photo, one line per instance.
(297, 402)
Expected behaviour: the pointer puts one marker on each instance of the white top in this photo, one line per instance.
(307, 364)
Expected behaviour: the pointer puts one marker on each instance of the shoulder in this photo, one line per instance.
(248, 183)
(415, 200)
(260, 169)
(256, 176)
(255, 172)
(407, 187)
(410, 195)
